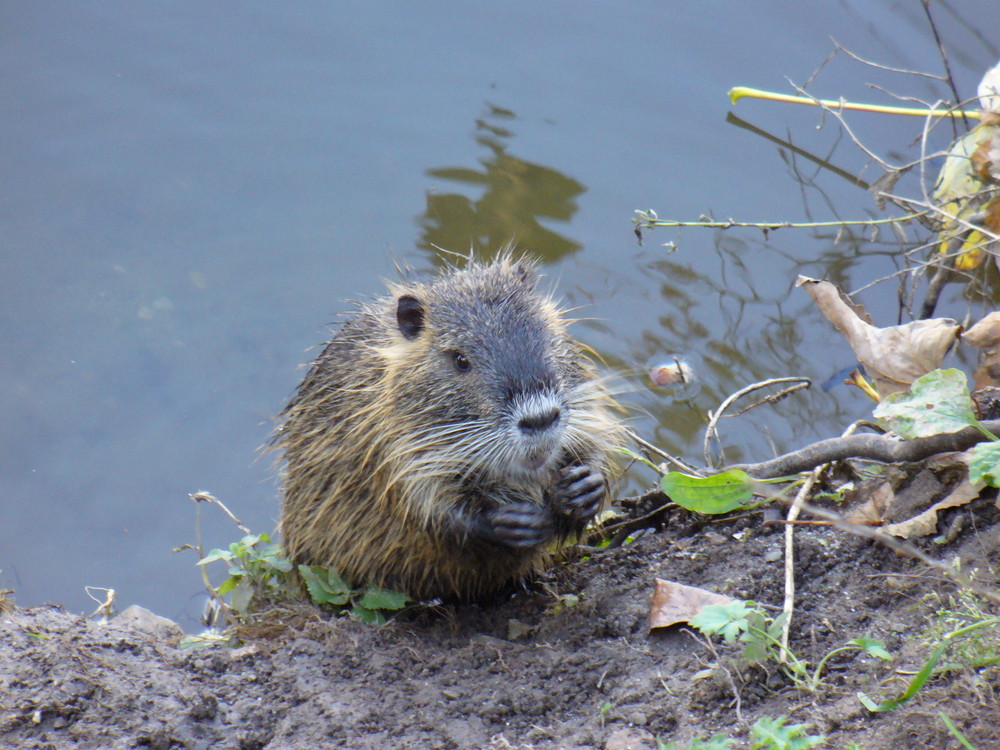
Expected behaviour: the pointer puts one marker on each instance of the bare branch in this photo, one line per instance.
(882, 448)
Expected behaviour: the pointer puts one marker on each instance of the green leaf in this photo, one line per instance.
(324, 585)
(216, 554)
(984, 465)
(729, 619)
(273, 556)
(918, 681)
(228, 585)
(773, 734)
(242, 594)
(376, 598)
(719, 493)
(954, 731)
(936, 403)
(872, 646)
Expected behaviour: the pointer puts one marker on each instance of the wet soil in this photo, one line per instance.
(527, 673)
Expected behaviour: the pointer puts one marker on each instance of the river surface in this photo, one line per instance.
(192, 194)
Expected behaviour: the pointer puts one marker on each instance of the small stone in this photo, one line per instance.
(140, 618)
(773, 555)
(638, 718)
(630, 739)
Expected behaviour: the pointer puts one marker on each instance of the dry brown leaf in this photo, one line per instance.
(985, 335)
(874, 509)
(894, 356)
(674, 602)
(925, 523)
(985, 160)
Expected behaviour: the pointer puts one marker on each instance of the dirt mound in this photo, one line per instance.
(535, 672)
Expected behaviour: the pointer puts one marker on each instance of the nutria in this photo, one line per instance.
(447, 439)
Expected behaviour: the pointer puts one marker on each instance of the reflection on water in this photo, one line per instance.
(514, 196)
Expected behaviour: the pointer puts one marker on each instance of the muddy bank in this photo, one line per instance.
(528, 673)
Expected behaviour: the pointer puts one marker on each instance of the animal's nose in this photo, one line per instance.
(539, 421)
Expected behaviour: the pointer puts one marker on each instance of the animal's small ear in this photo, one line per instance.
(409, 316)
(526, 272)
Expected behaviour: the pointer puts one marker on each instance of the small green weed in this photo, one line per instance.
(760, 634)
(775, 734)
(956, 636)
(766, 733)
(325, 586)
(981, 647)
(258, 573)
(954, 732)
(261, 576)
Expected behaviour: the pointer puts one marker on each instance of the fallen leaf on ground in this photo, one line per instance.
(674, 603)
(925, 523)
(894, 356)
(875, 508)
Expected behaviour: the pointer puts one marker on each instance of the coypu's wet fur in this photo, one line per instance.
(447, 439)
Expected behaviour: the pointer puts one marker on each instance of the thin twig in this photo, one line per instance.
(205, 497)
(944, 55)
(944, 214)
(771, 225)
(714, 418)
(791, 518)
(838, 113)
(678, 462)
(880, 66)
(773, 398)
(793, 513)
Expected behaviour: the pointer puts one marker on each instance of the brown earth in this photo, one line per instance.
(584, 676)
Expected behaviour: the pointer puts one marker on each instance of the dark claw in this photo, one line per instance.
(578, 493)
(519, 524)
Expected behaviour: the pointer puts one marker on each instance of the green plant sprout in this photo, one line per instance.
(953, 730)
(775, 734)
(261, 575)
(258, 571)
(981, 648)
(921, 677)
(760, 634)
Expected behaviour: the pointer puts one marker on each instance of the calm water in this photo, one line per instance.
(192, 192)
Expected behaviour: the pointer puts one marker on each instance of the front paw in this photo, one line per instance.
(578, 493)
(520, 524)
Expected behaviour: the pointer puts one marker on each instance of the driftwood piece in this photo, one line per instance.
(884, 448)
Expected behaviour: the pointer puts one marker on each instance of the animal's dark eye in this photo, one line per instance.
(462, 363)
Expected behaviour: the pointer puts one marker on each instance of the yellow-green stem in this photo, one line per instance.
(740, 92)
